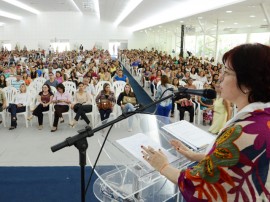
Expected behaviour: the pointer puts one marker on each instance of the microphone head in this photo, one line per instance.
(210, 93)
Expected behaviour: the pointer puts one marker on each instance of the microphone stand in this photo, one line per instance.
(80, 142)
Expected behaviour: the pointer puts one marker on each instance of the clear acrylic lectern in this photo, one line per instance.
(124, 177)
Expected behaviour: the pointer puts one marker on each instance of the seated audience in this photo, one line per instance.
(52, 81)
(3, 102)
(120, 76)
(81, 105)
(126, 100)
(61, 100)
(105, 101)
(44, 99)
(20, 103)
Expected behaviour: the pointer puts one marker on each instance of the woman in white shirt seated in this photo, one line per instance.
(201, 77)
(19, 105)
(81, 105)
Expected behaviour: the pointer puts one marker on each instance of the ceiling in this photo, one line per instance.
(154, 15)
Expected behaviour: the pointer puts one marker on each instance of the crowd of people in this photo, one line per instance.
(239, 155)
(21, 69)
(87, 68)
(163, 71)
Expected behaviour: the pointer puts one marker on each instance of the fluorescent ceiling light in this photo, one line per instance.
(131, 5)
(75, 5)
(96, 3)
(171, 14)
(252, 16)
(228, 11)
(221, 21)
(22, 6)
(10, 15)
(236, 23)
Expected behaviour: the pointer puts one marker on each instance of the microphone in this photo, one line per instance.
(208, 93)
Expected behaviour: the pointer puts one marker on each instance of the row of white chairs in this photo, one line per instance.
(10, 93)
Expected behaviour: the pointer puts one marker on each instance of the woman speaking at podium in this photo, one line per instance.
(236, 168)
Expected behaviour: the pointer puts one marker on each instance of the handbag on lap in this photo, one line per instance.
(105, 104)
(131, 100)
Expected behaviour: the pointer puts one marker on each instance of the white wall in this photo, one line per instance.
(37, 31)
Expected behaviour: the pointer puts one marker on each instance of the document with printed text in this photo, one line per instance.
(191, 135)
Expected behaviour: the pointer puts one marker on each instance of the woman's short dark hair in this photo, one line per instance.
(60, 85)
(164, 80)
(80, 83)
(251, 63)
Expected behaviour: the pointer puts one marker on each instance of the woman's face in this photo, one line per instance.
(81, 87)
(107, 88)
(23, 88)
(127, 88)
(175, 82)
(45, 88)
(60, 90)
(228, 85)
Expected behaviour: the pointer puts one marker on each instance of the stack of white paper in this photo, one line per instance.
(133, 145)
(191, 135)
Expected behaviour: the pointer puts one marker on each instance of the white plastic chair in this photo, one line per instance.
(92, 114)
(10, 93)
(37, 84)
(70, 87)
(118, 87)
(9, 80)
(139, 72)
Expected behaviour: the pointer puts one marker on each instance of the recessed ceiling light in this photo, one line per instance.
(22, 6)
(130, 6)
(249, 25)
(236, 23)
(252, 16)
(228, 11)
(264, 20)
(221, 21)
(10, 15)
